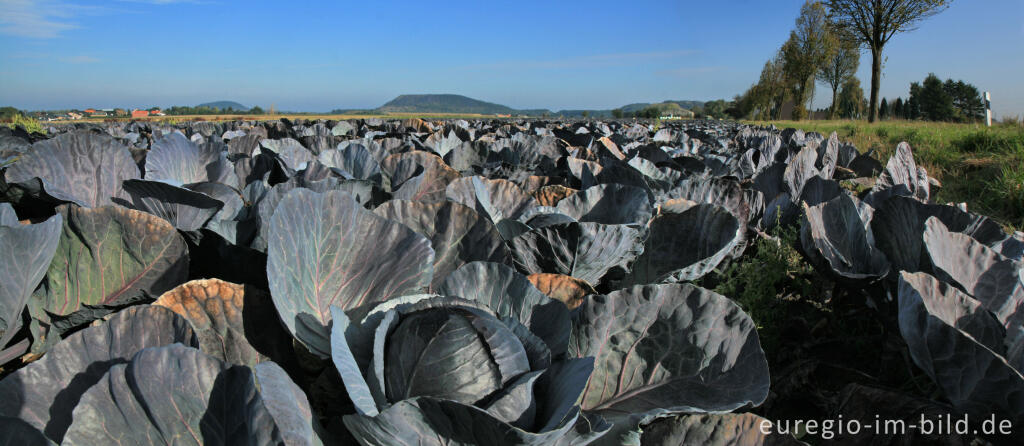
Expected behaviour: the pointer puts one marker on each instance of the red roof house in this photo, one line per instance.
(90, 111)
(140, 113)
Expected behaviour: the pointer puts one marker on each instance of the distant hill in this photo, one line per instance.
(453, 103)
(442, 103)
(630, 108)
(224, 105)
(689, 105)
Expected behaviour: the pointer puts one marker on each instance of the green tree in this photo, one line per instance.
(840, 66)
(8, 112)
(912, 109)
(851, 99)
(740, 107)
(586, 114)
(256, 110)
(763, 99)
(874, 22)
(883, 110)
(897, 109)
(753, 105)
(617, 113)
(968, 104)
(808, 47)
(934, 102)
(716, 109)
(649, 112)
(772, 85)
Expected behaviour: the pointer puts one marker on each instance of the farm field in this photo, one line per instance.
(331, 223)
(513, 282)
(268, 117)
(981, 166)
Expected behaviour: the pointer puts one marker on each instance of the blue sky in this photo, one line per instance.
(317, 56)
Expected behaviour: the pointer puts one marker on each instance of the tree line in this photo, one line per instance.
(935, 100)
(179, 110)
(824, 47)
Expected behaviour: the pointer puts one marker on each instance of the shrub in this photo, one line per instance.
(30, 124)
(761, 281)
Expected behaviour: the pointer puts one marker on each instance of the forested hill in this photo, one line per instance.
(442, 103)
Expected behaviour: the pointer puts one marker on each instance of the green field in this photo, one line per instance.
(982, 166)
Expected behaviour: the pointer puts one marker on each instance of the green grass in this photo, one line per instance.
(30, 124)
(982, 166)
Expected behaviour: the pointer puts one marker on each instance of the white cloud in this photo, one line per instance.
(80, 59)
(34, 19)
(47, 19)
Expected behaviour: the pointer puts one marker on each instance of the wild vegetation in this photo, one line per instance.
(18, 120)
(12, 117)
(774, 284)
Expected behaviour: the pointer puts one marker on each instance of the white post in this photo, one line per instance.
(988, 110)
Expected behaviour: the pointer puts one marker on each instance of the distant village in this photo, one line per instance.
(72, 115)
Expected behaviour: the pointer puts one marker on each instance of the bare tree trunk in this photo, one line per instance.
(832, 109)
(876, 81)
